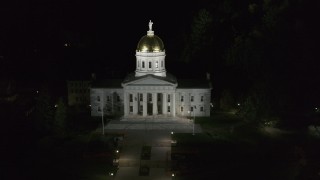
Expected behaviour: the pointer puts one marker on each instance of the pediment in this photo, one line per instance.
(149, 80)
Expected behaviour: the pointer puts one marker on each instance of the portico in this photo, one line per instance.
(149, 95)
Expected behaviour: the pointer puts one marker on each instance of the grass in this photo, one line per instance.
(230, 148)
(146, 153)
(144, 171)
(64, 158)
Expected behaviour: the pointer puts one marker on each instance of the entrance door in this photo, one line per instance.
(149, 104)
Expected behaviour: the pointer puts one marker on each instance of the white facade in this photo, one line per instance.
(150, 90)
(110, 100)
(150, 63)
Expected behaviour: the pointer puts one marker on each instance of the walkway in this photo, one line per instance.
(168, 124)
(154, 132)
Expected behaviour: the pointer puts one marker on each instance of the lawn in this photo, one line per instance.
(77, 157)
(146, 153)
(242, 152)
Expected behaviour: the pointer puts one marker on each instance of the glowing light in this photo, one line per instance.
(172, 174)
(144, 48)
(37, 92)
(89, 105)
(238, 104)
(171, 132)
(56, 105)
(117, 151)
(111, 174)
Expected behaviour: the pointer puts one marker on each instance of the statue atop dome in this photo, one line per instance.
(150, 25)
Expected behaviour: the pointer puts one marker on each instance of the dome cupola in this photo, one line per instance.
(150, 42)
(150, 55)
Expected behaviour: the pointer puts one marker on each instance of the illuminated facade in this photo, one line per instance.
(150, 90)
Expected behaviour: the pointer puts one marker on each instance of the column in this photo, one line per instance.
(164, 104)
(144, 112)
(154, 104)
(112, 103)
(126, 104)
(135, 103)
(173, 104)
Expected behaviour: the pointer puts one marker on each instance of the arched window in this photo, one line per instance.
(157, 64)
(142, 64)
(150, 64)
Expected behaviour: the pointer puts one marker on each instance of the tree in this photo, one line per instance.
(60, 117)
(43, 114)
(227, 100)
(198, 39)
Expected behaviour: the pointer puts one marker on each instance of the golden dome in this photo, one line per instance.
(150, 43)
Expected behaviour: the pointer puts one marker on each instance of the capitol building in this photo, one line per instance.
(151, 90)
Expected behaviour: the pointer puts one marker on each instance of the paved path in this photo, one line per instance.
(154, 132)
(172, 124)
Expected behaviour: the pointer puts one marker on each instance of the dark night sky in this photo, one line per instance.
(33, 32)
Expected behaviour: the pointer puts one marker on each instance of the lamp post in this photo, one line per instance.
(194, 118)
(102, 115)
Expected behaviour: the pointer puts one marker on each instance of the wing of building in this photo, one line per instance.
(150, 90)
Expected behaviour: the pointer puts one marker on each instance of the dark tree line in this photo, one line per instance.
(260, 52)
(49, 117)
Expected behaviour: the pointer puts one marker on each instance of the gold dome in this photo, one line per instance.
(150, 43)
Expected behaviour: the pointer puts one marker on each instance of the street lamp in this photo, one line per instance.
(102, 115)
(194, 117)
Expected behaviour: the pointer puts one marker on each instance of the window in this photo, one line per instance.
(157, 64)
(181, 98)
(201, 98)
(108, 98)
(168, 97)
(168, 108)
(191, 109)
(201, 109)
(140, 97)
(141, 108)
(130, 97)
(161, 63)
(99, 109)
(142, 64)
(118, 98)
(131, 109)
(181, 109)
(159, 97)
(191, 99)
(150, 97)
(150, 64)
(98, 98)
